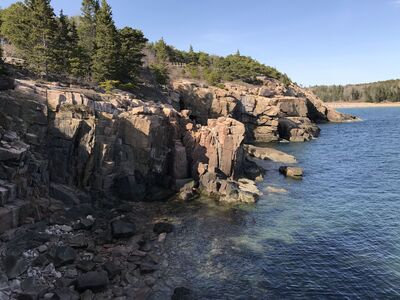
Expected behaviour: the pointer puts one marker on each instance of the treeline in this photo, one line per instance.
(372, 92)
(212, 68)
(88, 47)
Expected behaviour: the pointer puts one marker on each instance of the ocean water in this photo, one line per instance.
(333, 235)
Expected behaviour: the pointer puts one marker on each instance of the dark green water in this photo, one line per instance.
(334, 235)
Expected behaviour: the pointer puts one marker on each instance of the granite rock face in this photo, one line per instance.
(69, 146)
(64, 146)
(270, 111)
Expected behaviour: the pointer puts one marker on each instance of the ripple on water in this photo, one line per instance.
(335, 234)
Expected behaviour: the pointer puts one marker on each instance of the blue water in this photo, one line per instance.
(333, 235)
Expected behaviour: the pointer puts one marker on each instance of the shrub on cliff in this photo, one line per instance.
(160, 73)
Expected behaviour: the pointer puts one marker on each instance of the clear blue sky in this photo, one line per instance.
(313, 41)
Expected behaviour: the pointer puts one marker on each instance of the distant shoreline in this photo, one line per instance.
(361, 104)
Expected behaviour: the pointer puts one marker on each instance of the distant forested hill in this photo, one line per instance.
(370, 92)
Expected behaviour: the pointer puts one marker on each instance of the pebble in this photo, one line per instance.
(162, 237)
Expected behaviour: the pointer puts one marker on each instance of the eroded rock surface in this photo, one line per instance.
(270, 111)
(64, 146)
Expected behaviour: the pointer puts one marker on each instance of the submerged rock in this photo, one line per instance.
(163, 228)
(272, 189)
(182, 293)
(293, 172)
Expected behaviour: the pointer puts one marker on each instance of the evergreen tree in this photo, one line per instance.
(132, 43)
(42, 20)
(63, 45)
(192, 56)
(105, 58)
(1, 49)
(87, 29)
(16, 28)
(78, 60)
(162, 51)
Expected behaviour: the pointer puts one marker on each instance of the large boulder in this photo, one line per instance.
(293, 172)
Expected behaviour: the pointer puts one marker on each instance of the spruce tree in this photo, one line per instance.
(132, 43)
(16, 28)
(161, 51)
(87, 29)
(105, 58)
(42, 36)
(1, 51)
(78, 60)
(63, 46)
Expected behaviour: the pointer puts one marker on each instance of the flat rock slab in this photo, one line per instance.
(270, 154)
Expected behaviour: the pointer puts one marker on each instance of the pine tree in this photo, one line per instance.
(105, 59)
(87, 26)
(42, 20)
(132, 43)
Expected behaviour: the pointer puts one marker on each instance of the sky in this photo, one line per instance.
(313, 41)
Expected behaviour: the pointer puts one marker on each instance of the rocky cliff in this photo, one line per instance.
(270, 111)
(62, 146)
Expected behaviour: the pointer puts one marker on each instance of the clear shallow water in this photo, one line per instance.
(334, 235)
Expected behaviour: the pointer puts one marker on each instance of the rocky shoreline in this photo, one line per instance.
(76, 166)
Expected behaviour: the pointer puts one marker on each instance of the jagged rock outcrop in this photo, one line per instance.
(74, 145)
(269, 111)
(67, 145)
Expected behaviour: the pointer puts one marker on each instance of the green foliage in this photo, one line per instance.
(16, 27)
(372, 92)
(87, 26)
(105, 59)
(109, 85)
(213, 77)
(42, 58)
(1, 49)
(78, 59)
(160, 73)
(127, 86)
(214, 69)
(90, 47)
(132, 43)
(162, 51)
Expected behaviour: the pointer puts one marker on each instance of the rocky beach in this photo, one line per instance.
(82, 173)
